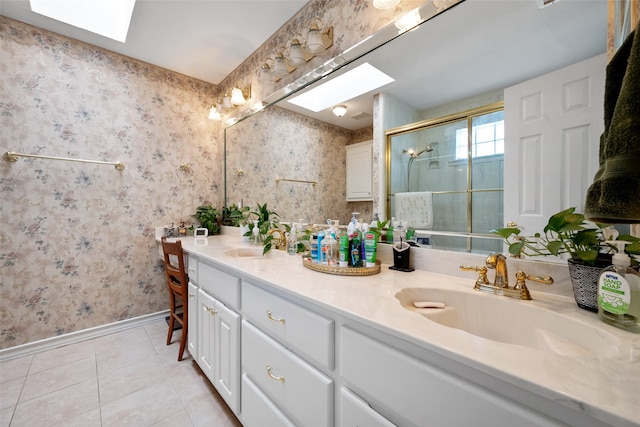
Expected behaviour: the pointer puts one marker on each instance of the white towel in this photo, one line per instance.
(415, 209)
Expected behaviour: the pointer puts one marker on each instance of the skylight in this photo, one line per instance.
(351, 84)
(108, 18)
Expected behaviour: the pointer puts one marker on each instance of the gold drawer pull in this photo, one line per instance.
(275, 319)
(192, 296)
(273, 377)
(210, 310)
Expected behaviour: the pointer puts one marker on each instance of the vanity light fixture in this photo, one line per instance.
(319, 37)
(385, 4)
(340, 110)
(297, 55)
(298, 51)
(280, 66)
(408, 22)
(226, 102)
(214, 114)
(240, 96)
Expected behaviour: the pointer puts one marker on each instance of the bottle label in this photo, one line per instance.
(614, 294)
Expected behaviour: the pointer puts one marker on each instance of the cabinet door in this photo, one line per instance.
(207, 316)
(548, 120)
(192, 319)
(359, 161)
(227, 361)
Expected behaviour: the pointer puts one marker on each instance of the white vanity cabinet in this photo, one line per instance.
(412, 392)
(217, 331)
(359, 160)
(285, 346)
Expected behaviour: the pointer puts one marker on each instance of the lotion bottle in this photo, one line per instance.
(619, 292)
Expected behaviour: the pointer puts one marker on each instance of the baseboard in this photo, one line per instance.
(74, 337)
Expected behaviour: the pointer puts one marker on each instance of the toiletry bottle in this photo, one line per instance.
(321, 255)
(356, 247)
(344, 249)
(255, 234)
(619, 292)
(314, 248)
(390, 231)
(370, 248)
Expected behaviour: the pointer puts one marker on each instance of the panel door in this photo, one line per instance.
(553, 125)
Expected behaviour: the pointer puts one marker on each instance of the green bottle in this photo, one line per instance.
(390, 231)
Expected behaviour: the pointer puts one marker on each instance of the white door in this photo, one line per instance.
(553, 125)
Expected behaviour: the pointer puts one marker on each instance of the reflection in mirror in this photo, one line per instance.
(446, 175)
(474, 49)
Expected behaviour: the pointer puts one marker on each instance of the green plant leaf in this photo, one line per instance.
(506, 232)
(516, 248)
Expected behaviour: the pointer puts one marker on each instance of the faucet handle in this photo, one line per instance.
(521, 285)
(482, 274)
(547, 280)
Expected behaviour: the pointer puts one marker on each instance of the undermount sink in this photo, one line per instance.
(254, 252)
(509, 321)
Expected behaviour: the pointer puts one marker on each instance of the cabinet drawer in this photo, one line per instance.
(306, 332)
(417, 392)
(258, 410)
(303, 393)
(355, 412)
(220, 284)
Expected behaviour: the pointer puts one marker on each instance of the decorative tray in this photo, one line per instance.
(341, 271)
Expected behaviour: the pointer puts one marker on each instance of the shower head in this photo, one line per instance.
(412, 153)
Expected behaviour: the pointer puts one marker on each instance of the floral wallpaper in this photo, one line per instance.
(76, 242)
(279, 143)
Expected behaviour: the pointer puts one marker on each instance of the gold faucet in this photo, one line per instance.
(279, 242)
(500, 285)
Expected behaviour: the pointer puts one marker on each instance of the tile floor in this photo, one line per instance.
(131, 378)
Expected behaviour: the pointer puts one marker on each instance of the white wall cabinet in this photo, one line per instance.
(359, 159)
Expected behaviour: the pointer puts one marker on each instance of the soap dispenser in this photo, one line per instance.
(619, 292)
(255, 234)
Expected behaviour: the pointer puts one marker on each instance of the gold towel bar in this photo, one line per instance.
(10, 156)
(278, 179)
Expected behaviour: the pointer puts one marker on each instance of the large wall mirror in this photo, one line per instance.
(457, 61)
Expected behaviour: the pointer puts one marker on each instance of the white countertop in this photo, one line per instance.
(604, 387)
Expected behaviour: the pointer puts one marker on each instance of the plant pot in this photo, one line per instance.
(584, 280)
(243, 230)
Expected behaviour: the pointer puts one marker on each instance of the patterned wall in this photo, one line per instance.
(76, 239)
(279, 143)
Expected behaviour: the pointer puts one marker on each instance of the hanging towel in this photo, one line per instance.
(614, 196)
(415, 209)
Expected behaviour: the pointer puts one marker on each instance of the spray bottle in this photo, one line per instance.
(619, 292)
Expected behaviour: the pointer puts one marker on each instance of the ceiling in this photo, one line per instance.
(443, 61)
(476, 47)
(205, 39)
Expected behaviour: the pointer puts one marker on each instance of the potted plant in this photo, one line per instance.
(235, 216)
(267, 220)
(585, 243)
(209, 218)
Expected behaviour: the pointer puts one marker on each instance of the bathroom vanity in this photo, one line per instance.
(288, 346)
